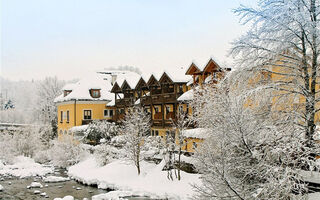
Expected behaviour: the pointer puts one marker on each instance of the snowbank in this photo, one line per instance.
(200, 133)
(55, 179)
(25, 167)
(65, 198)
(314, 196)
(1, 188)
(120, 175)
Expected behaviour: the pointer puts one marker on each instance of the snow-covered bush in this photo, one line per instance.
(7, 148)
(153, 147)
(66, 153)
(27, 141)
(105, 153)
(42, 156)
(100, 129)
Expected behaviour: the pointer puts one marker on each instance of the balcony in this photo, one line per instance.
(157, 116)
(170, 115)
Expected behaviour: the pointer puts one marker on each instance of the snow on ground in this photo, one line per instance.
(65, 198)
(113, 195)
(1, 188)
(55, 179)
(314, 196)
(24, 167)
(120, 175)
(310, 176)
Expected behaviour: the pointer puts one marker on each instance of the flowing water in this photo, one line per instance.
(16, 189)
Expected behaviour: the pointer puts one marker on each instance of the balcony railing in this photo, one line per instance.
(170, 115)
(157, 116)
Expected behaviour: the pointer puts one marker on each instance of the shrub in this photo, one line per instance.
(65, 153)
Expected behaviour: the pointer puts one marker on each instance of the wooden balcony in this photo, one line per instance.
(157, 116)
(170, 115)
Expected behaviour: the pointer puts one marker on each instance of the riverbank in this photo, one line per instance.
(122, 175)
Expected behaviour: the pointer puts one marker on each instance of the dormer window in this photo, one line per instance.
(66, 92)
(95, 93)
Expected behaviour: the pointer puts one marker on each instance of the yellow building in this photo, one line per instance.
(87, 100)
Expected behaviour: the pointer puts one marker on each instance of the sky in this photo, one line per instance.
(68, 38)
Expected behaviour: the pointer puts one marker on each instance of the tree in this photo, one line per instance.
(248, 154)
(181, 124)
(284, 41)
(9, 105)
(48, 90)
(136, 125)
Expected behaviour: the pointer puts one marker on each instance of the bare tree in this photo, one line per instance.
(136, 125)
(284, 42)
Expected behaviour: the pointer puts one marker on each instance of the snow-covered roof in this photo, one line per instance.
(187, 96)
(101, 80)
(69, 86)
(112, 102)
(175, 74)
(200, 133)
(131, 78)
(137, 102)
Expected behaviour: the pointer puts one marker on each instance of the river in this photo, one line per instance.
(16, 189)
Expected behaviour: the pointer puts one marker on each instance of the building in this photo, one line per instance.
(109, 95)
(87, 100)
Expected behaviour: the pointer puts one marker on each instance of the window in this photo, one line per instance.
(157, 133)
(68, 118)
(187, 109)
(156, 109)
(95, 93)
(61, 116)
(180, 88)
(61, 132)
(87, 114)
(167, 109)
(108, 113)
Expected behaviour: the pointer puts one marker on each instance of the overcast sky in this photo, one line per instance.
(68, 38)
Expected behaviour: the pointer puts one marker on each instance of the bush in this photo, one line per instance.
(66, 153)
(42, 157)
(104, 154)
(100, 129)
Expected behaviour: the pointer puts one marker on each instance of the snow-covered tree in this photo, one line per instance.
(9, 105)
(48, 90)
(136, 125)
(284, 42)
(101, 129)
(248, 154)
(182, 123)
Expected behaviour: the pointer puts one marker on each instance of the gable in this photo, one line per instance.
(125, 86)
(165, 78)
(193, 69)
(152, 81)
(141, 84)
(212, 66)
(115, 88)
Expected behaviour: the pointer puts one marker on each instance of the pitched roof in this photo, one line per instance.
(96, 80)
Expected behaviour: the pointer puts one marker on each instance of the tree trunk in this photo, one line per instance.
(179, 164)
